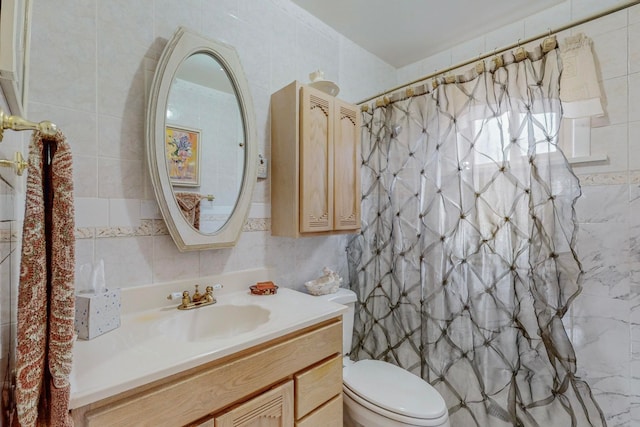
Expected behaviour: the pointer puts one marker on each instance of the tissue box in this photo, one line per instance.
(97, 313)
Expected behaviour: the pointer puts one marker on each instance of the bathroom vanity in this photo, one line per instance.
(284, 369)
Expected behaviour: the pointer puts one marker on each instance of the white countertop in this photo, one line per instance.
(143, 349)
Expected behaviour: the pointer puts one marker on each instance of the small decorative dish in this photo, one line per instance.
(264, 288)
(325, 284)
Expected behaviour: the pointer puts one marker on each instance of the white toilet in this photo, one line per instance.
(379, 394)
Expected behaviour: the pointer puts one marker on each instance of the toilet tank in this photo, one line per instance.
(345, 297)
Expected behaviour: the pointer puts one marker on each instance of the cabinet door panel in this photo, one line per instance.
(346, 167)
(273, 408)
(316, 161)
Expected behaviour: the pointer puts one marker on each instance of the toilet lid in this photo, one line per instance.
(394, 389)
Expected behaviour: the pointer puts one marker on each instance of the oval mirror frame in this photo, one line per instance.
(182, 45)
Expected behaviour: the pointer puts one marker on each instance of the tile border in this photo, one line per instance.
(157, 227)
(7, 235)
(154, 227)
(612, 178)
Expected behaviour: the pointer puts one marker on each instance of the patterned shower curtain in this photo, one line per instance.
(465, 266)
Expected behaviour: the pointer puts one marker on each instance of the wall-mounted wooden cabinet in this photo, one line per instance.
(315, 163)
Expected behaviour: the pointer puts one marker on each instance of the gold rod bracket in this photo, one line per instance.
(18, 123)
(18, 163)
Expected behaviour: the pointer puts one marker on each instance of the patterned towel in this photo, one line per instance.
(190, 206)
(46, 291)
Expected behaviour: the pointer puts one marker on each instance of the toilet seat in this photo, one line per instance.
(393, 392)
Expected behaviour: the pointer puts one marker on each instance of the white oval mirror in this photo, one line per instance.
(201, 141)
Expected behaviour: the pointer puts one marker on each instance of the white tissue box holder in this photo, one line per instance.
(97, 313)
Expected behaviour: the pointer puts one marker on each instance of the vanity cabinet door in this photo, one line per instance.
(316, 160)
(273, 408)
(346, 166)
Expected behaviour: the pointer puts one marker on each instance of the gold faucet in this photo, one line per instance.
(197, 300)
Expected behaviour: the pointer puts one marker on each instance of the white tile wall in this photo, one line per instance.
(91, 211)
(543, 21)
(96, 91)
(92, 60)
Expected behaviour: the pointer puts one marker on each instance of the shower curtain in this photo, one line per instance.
(465, 266)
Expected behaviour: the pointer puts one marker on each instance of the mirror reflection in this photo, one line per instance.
(205, 143)
(202, 146)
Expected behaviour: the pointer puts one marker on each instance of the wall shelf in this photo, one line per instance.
(583, 160)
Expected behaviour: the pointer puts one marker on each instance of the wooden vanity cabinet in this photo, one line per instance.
(269, 385)
(315, 158)
(273, 408)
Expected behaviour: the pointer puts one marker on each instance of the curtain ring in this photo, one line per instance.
(549, 43)
(434, 81)
(451, 78)
(497, 60)
(479, 65)
(521, 53)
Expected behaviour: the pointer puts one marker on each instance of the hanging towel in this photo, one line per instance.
(190, 206)
(579, 87)
(46, 291)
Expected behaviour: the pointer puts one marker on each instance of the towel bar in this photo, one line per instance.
(18, 163)
(18, 123)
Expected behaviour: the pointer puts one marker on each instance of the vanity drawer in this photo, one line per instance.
(316, 385)
(328, 415)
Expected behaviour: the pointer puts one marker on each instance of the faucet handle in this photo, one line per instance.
(186, 300)
(209, 295)
(174, 295)
(196, 295)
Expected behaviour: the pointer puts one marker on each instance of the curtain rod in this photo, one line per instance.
(506, 48)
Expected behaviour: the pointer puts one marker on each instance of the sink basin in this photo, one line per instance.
(214, 321)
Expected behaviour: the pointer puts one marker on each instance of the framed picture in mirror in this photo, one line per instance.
(183, 156)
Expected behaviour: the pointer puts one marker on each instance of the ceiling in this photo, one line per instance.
(405, 31)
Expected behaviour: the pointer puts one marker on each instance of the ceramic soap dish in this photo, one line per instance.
(264, 288)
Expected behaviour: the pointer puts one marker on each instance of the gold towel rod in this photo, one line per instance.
(546, 35)
(18, 123)
(18, 163)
